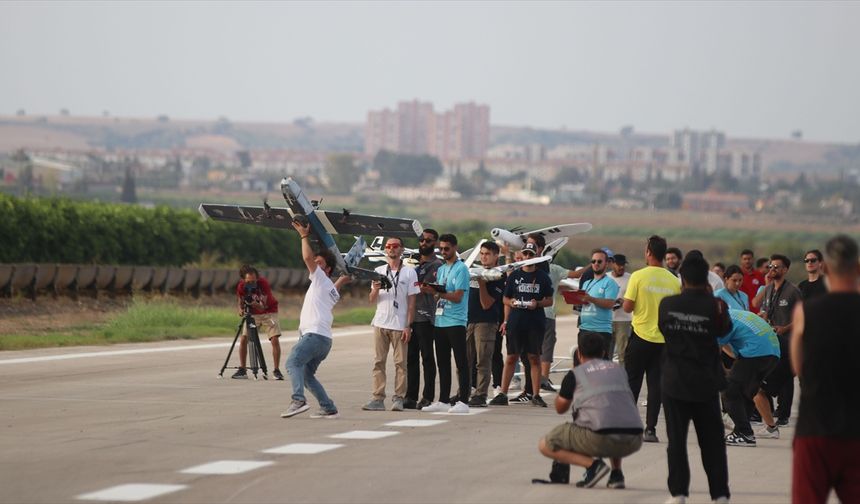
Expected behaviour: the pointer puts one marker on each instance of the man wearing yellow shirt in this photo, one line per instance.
(646, 288)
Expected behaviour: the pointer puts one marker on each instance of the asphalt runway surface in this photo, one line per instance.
(153, 423)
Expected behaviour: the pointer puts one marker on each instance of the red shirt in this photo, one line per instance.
(262, 295)
(752, 281)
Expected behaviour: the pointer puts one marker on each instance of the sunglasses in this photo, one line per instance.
(773, 266)
(445, 249)
(392, 246)
(813, 260)
(597, 261)
(426, 240)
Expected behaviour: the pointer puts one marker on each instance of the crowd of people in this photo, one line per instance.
(717, 346)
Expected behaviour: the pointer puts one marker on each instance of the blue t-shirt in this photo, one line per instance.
(593, 317)
(454, 278)
(751, 336)
(737, 301)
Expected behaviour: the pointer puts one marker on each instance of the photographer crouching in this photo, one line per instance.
(255, 292)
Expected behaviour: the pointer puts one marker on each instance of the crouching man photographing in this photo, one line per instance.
(605, 423)
(255, 292)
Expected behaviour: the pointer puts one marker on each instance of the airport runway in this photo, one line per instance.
(151, 422)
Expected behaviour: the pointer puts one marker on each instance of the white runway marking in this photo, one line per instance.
(131, 492)
(112, 353)
(227, 467)
(363, 434)
(472, 411)
(303, 448)
(415, 423)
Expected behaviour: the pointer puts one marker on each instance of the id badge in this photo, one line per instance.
(396, 306)
(440, 307)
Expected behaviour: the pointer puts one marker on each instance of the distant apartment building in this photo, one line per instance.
(415, 128)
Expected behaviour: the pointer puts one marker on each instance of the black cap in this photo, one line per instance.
(620, 259)
(530, 247)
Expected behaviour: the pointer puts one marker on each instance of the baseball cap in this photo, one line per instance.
(530, 247)
(620, 259)
(608, 251)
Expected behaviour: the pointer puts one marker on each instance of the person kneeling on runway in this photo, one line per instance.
(605, 423)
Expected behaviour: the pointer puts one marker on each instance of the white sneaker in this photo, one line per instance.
(678, 499)
(460, 408)
(436, 407)
(497, 391)
(516, 383)
(766, 433)
(645, 403)
(722, 500)
(727, 422)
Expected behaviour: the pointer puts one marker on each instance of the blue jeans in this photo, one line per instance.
(302, 365)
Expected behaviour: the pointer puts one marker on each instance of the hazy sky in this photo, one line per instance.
(750, 69)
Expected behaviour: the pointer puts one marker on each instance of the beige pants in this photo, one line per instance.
(382, 340)
(480, 343)
(621, 334)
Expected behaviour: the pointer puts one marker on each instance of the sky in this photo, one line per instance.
(749, 69)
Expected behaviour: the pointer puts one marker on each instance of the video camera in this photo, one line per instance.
(251, 288)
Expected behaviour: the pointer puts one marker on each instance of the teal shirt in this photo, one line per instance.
(737, 301)
(750, 336)
(594, 318)
(454, 278)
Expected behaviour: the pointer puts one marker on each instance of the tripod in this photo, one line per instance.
(255, 351)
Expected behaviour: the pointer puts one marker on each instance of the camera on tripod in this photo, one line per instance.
(249, 293)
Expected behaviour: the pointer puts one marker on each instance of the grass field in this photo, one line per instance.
(158, 321)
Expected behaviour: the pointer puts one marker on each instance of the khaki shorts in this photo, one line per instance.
(571, 437)
(267, 323)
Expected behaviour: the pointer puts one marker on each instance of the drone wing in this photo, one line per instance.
(272, 217)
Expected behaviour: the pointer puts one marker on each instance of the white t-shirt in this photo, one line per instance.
(317, 316)
(715, 281)
(620, 315)
(556, 275)
(404, 284)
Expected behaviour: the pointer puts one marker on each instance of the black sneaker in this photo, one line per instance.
(500, 400)
(410, 404)
(523, 398)
(737, 439)
(277, 374)
(650, 436)
(538, 401)
(781, 421)
(240, 374)
(424, 402)
(478, 401)
(593, 474)
(755, 419)
(560, 474)
(546, 385)
(616, 479)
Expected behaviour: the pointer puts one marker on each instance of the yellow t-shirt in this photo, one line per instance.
(647, 287)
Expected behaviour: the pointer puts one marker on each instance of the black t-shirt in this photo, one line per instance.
(425, 304)
(568, 385)
(526, 286)
(691, 322)
(477, 313)
(829, 396)
(811, 289)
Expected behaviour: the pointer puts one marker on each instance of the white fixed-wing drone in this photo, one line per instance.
(496, 272)
(517, 238)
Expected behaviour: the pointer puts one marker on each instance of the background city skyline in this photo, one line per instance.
(751, 69)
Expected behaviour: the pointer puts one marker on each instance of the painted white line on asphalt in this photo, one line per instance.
(472, 411)
(415, 423)
(113, 353)
(303, 448)
(227, 467)
(364, 434)
(131, 492)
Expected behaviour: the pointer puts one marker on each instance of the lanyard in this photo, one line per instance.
(773, 299)
(394, 280)
(737, 297)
